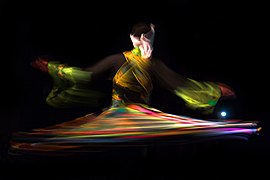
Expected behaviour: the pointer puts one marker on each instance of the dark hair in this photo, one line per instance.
(140, 28)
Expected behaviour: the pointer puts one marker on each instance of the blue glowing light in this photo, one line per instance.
(223, 113)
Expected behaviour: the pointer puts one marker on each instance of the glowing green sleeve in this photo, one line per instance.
(199, 95)
(71, 87)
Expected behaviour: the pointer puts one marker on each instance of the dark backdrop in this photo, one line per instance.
(203, 39)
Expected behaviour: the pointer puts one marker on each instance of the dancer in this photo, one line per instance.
(129, 118)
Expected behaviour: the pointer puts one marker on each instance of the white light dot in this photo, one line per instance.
(223, 114)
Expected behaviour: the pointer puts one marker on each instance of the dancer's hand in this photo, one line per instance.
(41, 64)
(226, 91)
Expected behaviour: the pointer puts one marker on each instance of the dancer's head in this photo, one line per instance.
(142, 36)
(140, 28)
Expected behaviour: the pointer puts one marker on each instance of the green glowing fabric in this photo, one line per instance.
(71, 87)
(200, 95)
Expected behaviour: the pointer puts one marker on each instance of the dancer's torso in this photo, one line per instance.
(132, 82)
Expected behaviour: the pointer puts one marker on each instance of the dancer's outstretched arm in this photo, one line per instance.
(202, 95)
(72, 85)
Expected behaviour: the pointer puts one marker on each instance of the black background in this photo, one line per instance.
(203, 39)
